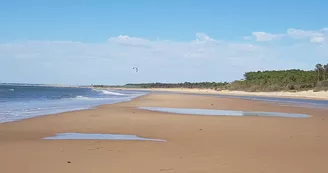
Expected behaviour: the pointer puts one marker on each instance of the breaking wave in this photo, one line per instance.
(20, 102)
(112, 93)
(107, 92)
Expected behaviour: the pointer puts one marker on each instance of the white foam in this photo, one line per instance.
(12, 111)
(112, 93)
(88, 98)
(108, 92)
(82, 97)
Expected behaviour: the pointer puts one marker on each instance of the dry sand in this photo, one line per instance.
(195, 144)
(300, 94)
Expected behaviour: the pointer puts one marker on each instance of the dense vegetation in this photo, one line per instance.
(282, 80)
(201, 85)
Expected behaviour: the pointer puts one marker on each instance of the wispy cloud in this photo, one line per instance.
(301, 34)
(317, 36)
(201, 59)
(130, 41)
(264, 37)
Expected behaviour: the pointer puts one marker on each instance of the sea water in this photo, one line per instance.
(26, 101)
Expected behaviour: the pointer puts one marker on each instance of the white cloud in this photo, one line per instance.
(312, 36)
(300, 34)
(202, 37)
(317, 39)
(265, 37)
(297, 34)
(130, 41)
(202, 59)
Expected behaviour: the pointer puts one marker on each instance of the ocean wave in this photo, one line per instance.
(27, 102)
(88, 98)
(95, 98)
(112, 93)
(107, 92)
(82, 97)
(7, 90)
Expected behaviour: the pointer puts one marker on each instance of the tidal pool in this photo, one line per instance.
(214, 112)
(98, 136)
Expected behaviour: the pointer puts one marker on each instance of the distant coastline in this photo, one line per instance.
(310, 94)
(293, 80)
(276, 83)
(44, 85)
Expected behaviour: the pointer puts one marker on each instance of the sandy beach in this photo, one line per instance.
(322, 95)
(194, 143)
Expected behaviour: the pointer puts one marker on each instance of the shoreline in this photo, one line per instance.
(176, 91)
(310, 95)
(86, 105)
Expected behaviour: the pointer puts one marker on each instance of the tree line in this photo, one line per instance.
(270, 80)
(280, 80)
(200, 85)
(322, 71)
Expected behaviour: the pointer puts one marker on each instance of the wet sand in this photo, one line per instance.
(310, 94)
(195, 143)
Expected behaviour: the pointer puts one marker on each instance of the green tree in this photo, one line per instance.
(319, 68)
(325, 72)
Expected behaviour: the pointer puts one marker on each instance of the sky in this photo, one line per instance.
(99, 42)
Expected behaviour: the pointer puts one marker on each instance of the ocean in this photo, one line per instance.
(26, 101)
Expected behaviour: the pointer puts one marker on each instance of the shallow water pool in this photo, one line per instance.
(98, 136)
(214, 112)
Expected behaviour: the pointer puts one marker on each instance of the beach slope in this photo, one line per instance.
(194, 143)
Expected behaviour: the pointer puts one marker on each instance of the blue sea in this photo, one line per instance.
(19, 101)
(25, 101)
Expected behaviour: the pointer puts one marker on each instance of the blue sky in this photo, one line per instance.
(84, 42)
